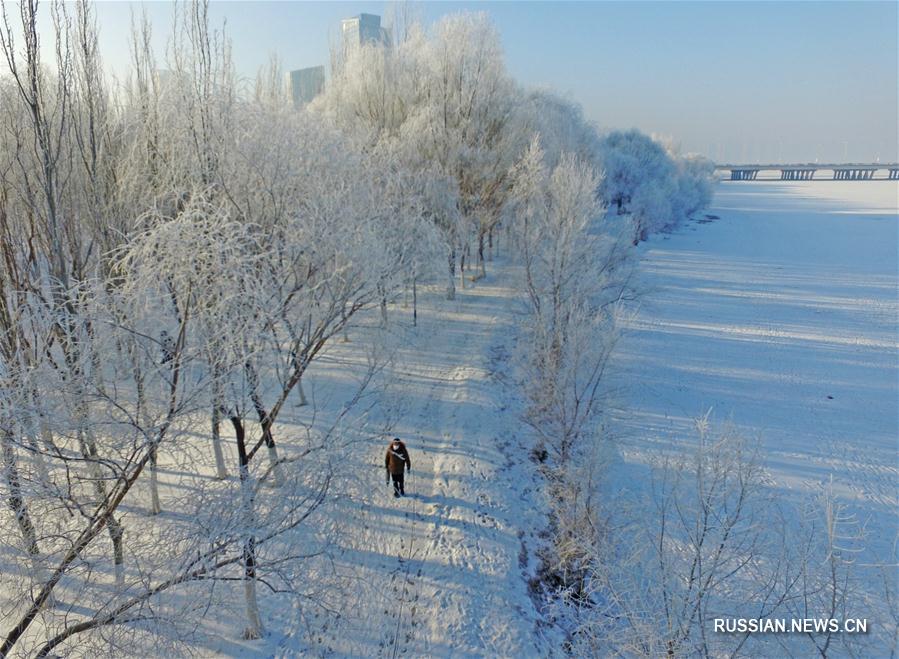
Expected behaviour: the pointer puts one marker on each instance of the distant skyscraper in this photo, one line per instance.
(306, 84)
(362, 29)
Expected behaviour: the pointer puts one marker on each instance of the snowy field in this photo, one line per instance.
(776, 309)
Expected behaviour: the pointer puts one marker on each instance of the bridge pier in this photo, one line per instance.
(894, 174)
(858, 174)
(743, 174)
(804, 174)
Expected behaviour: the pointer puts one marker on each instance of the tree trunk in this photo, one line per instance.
(46, 434)
(89, 453)
(96, 360)
(15, 499)
(155, 507)
(490, 244)
(42, 429)
(254, 627)
(218, 402)
(220, 471)
(32, 437)
(414, 302)
(117, 533)
(266, 423)
(254, 622)
(382, 293)
(451, 284)
(462, 266)
(302, 393)
(481, 255)
(272, 451)
(277, 476)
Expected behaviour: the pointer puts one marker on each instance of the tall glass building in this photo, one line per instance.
(362, 29)
(306, 84)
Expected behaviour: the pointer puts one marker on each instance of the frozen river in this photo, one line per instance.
(778, 311)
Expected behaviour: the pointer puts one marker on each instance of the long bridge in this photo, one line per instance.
(806, 172)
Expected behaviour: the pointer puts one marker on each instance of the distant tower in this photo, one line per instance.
(363, 29)
(306, 84)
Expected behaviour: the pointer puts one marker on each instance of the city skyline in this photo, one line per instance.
(737, 82)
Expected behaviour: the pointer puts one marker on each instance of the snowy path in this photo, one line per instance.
(439, 571)
(473, 592)
(779, 313)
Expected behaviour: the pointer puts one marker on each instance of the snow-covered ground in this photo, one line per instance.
(776, 309)
(443, 571)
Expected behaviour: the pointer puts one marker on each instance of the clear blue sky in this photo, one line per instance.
(746, 81)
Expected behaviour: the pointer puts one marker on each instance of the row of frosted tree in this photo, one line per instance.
(179, 249)
(642, 561)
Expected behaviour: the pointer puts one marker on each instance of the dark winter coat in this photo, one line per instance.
(397, 460)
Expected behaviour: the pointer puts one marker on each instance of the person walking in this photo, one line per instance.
(397, 463)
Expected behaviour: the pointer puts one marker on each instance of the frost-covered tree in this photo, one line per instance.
(163, 256)
(101, 438)
(575, 273)
(179, 252)
(441, 102)
(467, 126)
(654, 185)
(59, 161)
(639, 176)
(696, 180)
(562, 128)
(706, 540)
